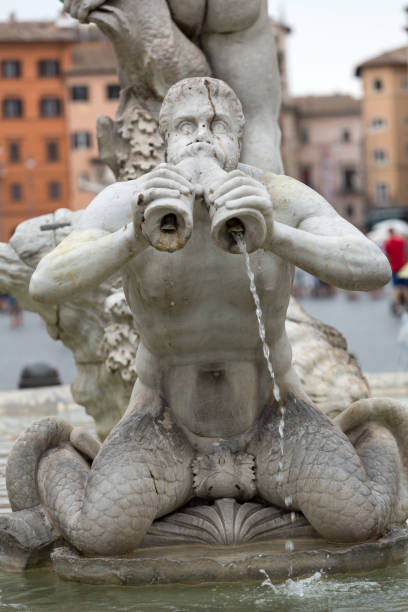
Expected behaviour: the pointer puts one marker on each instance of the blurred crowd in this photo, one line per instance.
(392, 237)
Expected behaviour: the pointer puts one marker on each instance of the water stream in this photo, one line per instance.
(240, 240)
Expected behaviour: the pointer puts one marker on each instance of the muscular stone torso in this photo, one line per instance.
(199, 338)
(218, 16)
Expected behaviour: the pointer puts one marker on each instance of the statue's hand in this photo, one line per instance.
(80, 9)
(165, 181)
(238, 191)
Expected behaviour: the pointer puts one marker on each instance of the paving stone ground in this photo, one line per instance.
(371, 330)
(29, 344)
(368, 325)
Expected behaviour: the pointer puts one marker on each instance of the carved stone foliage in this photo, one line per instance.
(226, 522)
(120, 340)
(130, 145)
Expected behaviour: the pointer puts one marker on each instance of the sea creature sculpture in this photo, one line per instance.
(205, 418)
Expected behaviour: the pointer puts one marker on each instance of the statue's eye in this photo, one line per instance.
(186, 127)
(219, 127)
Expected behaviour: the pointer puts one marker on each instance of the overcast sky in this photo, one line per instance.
(329, 37)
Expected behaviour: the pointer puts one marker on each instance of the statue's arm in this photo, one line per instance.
(321, 242)
(92, 252)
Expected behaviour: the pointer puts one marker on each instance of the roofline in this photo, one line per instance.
(378, 61)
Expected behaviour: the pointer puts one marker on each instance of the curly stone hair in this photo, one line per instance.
(205, 85)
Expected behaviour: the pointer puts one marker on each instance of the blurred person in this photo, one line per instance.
(395, 248)
(3, 302)
(16, 314)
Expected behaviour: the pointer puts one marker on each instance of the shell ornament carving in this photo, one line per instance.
(226, 522)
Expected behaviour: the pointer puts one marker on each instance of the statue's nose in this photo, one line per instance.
(202, 133)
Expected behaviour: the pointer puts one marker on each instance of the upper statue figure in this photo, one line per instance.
(159, 42)
(203, 392)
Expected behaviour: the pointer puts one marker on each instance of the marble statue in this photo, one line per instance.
(162, 41)
(205, 419)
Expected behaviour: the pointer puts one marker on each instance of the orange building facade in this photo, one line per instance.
(385, 116)
(33, 137)
(92, 89)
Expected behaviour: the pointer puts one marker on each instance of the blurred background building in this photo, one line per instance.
(92, 89)
(328, 152)
(57, 77)
(385, 123)
(34, 179)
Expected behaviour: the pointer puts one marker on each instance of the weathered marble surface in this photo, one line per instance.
(183, 564)
(157, 44)
(207, 418)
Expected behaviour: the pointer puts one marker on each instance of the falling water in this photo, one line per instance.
(240, 240)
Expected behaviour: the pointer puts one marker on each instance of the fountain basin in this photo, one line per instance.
(194, 564)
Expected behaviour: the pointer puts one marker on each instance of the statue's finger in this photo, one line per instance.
(232, 183)
(170, 172)
(75, 6)
(155, 193)
(235, 194)
(87, 7)
(252, 201)
(167, 183)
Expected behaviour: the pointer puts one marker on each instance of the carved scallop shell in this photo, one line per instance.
(226, 522)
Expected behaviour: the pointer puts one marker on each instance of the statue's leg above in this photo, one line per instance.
(345, 492)
(247, 61)
(140, 473)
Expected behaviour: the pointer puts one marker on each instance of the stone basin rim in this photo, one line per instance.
(227, 564)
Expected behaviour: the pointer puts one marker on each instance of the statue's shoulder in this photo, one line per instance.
(295, 200)
(111, 209)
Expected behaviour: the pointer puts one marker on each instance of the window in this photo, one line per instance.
(54, 190)
(346, 135)
(112, 92)
(10, 69)
(52, 151)
(48, 68)
(79, 92)
(304, 136)
(81, 140)
(12, 107)
(14, 152)
(50, 107)
(349, 210)
(378, 85)
(348, 179)
(381, 193)
(16, 192)
(377, 124)
(379, 156)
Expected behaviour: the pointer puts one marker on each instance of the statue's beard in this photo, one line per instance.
(205, 149)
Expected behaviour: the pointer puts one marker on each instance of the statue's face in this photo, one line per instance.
(194, 130)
